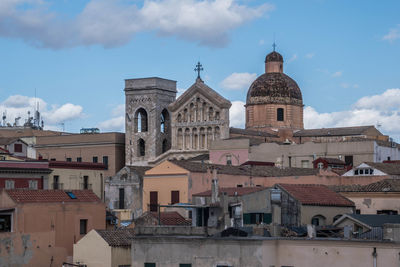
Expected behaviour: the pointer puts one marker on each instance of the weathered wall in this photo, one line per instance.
(261, 252)
(370, 203)
(72, 179)
(121, 256)
(307, 212)
(93, 251)
(85, 146)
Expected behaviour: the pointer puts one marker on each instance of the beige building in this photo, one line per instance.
(77, 176)
(199, 251)
(106, 148)
(104, 248)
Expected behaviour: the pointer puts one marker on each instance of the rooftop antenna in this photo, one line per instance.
(274, 44)
(4, 117)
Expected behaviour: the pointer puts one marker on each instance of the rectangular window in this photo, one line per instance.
(105, 161)
(121, 204)
(17, 147)
(52, 159)
(348, 160)
(10, 184)
(69, 159)
(95, 159)
(229, 160)
(279, 114)
(78, 159)
(355, 172)
(185, 265)
(56, 180)
(361, 171)
(5, 222)
(83, 226)
(174, 197)
(33, 184)
(304, 163)
(153, 201)
(149, 264)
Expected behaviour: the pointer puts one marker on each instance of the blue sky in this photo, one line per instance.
(76, 54)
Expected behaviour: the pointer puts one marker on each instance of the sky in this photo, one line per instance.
(70, 57)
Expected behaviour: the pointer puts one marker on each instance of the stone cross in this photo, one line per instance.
(198, 68)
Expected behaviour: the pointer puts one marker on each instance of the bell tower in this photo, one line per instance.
(147, 119)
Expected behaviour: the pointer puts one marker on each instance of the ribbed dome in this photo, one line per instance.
(274, 57)
(274, 88)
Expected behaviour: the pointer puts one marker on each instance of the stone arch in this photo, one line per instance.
(217, 133)
(195, 139)
(191, 112)
(180, 138)
(165, 146)
(209, 136)
(141, 120)
(217, 116)
(187, 138)
(164, 121)
(179, 117)
(202, 137)
(141, 148)
(204, 111)
(210, 113)
(185, 115)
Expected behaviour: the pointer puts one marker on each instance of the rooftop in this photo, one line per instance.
(388, 168)
(166, 218)
(316, 195)
(117, 237)
(46, 196)
(387, 185)
(332, 161)
(248, 170)
(232, 191)
(339, 131)
(76, 165)
(372, 220)
(233, 130)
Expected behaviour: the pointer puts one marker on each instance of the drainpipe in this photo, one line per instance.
(374, 255)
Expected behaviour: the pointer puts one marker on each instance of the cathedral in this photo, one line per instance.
(160, 126)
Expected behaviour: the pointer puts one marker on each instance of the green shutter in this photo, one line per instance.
(247, 218)
(267, 218)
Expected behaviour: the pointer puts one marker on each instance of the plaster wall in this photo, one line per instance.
(261, 252)
(308, 212)
(238, 156)
(72, 179)
(93, 251)
(370, 203)
(120, 256)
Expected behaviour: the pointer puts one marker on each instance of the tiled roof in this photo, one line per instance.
(316, 195)
(166, 218)
(332, 161)
(233, 130)
(388, 168)
(46, 196)
(76, 165)
(140, 170)
(339, 131)
(248, 170)
(201, 157)
(117, 237)
(7, 140)
(387, 185)
(231, 191)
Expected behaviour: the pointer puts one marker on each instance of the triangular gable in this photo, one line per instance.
(364, 166)
(201, 88)
(166, 168)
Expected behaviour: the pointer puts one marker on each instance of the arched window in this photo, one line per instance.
(210, 114)
(164, 118)
(279, 114)
(141, 148)
(165, 146)
(141, 120)
(180, 139)
(179, 119)
(217, 134)
(318, 220)
(195, 138)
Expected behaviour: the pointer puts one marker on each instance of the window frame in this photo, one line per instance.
(83, 227)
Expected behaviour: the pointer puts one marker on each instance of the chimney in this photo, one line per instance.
(214, 187)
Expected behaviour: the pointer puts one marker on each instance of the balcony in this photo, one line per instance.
(84, 186)
(57, 186)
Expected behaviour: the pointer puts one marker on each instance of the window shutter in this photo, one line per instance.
(246, 218)
(267, 218)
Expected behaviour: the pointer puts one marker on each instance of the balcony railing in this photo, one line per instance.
(85, 186)
(57, 186)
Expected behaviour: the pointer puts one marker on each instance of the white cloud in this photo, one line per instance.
(337, 74)
(393, 34)
(118, 110)
(114, 22)
(261, 42)
(18, 106)
(238, 81)
(369, 110)
(237, 114)
(114, 124)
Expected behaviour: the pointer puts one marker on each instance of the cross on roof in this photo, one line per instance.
(198, 68)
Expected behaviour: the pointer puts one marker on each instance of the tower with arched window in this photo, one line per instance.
(147, 119)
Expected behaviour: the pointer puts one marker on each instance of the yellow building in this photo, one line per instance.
(77, 175)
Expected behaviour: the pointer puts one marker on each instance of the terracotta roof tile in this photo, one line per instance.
(316, 195)
(117, 237)
(230, 191)
(247, 132)
(332, 161)
(388, 168)
(166, 218)
(35, 196)
(387, 185)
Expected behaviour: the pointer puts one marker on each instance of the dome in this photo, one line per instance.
(274, 88)
(274, 57)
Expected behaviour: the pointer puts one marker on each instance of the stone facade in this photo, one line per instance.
(198, 117)
(147, 119)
